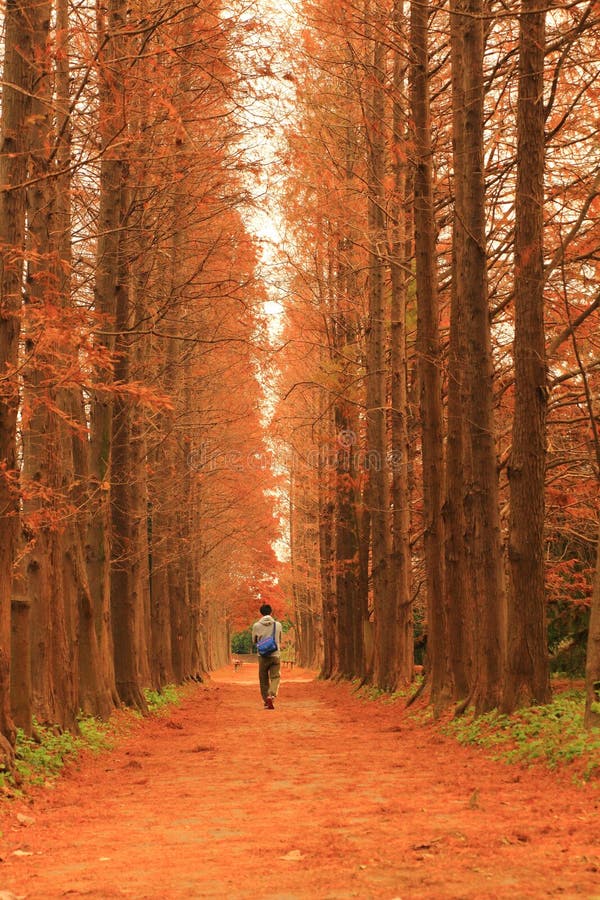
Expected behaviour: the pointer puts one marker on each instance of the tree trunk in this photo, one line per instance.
(527, 670)
(140, 573)
(95, 697)
(400, 446)
(111, 124)
(16, 102)
(54, 603)
(487, 540)
(328, 576)
(592, 666)
(462, 617)
(125, 597)
(20, 681)
(351, 600)
(160, 550)
(385, 662)
(351, 579)
(429, 360)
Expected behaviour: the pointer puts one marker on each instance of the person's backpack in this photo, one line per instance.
(267, 645)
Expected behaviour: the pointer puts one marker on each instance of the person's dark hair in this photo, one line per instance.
(266, 610)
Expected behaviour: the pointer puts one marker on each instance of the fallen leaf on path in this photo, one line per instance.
(292, 856)
(426, 846)
(24, 820)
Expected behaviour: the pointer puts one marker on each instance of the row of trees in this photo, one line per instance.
(129, 396)
(440, 378)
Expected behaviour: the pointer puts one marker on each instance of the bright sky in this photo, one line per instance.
(263, 119)
(266, 118)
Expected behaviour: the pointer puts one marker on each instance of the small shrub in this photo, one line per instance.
(242, 642)
(369, 692)
(41, 757)
(95, 733)
(166, 696)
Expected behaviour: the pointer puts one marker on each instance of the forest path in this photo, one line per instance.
(326, 797)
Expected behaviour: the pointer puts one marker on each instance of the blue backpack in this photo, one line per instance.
(267, 645)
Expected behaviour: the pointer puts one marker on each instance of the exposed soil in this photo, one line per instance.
(327, 796)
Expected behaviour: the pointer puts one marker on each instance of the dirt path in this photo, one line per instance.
(326, 797)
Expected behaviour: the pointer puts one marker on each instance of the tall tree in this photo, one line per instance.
(487, 557)
(17, 88)
(400, 245)
(527, 671)
(385, 669)
(459, 610)
(428, 349)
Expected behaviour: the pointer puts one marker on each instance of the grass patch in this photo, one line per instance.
(40, 758)
(369, 692)
(169, 695)
(553, 735)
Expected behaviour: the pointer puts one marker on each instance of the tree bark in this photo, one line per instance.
(94, 692)
(400, 445)
(112, 123)
(488, 568)
(20, 682)
(527, 671)
(125, 597)
(592, 666)
(14, 139)
(385, 662)
(54, 613)
(461, 613)
(429, 359)
(351, 580)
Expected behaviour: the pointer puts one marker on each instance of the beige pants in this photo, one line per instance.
(269, 669)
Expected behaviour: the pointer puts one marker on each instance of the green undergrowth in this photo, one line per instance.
(159, 701)
(40, 758)
(368, 691)
(553, 735)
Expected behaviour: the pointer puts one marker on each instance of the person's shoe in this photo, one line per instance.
(269, 703)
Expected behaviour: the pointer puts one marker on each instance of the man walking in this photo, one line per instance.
(269, 666)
